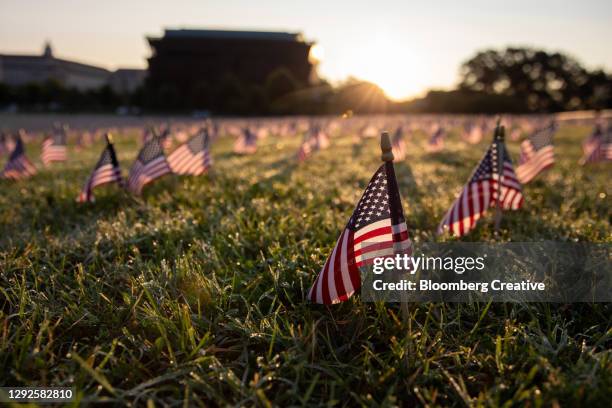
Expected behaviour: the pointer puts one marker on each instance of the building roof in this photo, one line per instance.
(232, 34)
(67, 63)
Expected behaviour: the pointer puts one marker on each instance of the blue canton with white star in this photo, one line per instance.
(374, 204)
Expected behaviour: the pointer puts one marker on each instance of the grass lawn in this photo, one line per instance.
(194, 294)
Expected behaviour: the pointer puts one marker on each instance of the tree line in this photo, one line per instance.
(517, 80)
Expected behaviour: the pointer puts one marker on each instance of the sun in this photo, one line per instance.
(394, 68)
(391, 63)
(400, 84)
(317, 53)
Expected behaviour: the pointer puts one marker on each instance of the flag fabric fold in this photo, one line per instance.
(193, 157)
(106, 171)
(54, 148)
(483, 190)
(598, 146)
(18, 165)
(537, 154)
(150, 165)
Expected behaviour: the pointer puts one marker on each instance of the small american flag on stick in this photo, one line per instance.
(537, 154)
(376, 229)
(436, 141)
(150, 164)
(305, 149)
(106, 171)
(398, 144)
(316, 139)
(482, 192)
(472, 133)
(193, 157)
(598, 146)
(18, 165)
(246, 143)
(54, 147)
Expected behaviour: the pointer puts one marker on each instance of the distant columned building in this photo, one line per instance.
(24, 69)
(184, 57)
(18, 70)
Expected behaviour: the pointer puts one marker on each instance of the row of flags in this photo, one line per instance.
(191, 158)
(377, 227)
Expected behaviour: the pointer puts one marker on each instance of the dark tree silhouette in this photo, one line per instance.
(544, 81)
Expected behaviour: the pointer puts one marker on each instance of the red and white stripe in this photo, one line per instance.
(102, 175)
(477, 197)
(141, 175)
(340, 276)
(183, 161)
(533, 162)
(596, 150)
(52, 153)
(19, 168)
(511, 190)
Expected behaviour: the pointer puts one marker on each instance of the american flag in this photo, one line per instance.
(246, 143)
(481, 191)
(316, 139)
(193, 157)
(85, 139)
(376, 229)
(106, 171)
(18, 165)
(436, 141)
(165, 136)
(54, 147)
(537, 154)
(148, 133)
(150, 164)
(598, 146)
(321, 139)
(305, 149)
(472, 133)
(398, 144)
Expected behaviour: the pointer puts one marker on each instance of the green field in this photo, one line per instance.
(195, 293)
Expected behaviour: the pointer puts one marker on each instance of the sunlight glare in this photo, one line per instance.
(392, 64)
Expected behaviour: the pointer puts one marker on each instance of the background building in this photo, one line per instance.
(16, 70)
(24, 69)
(185, 57)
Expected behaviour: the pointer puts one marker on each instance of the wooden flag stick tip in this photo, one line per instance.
(385, 146)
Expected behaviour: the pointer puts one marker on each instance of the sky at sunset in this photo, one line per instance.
(406, 47)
